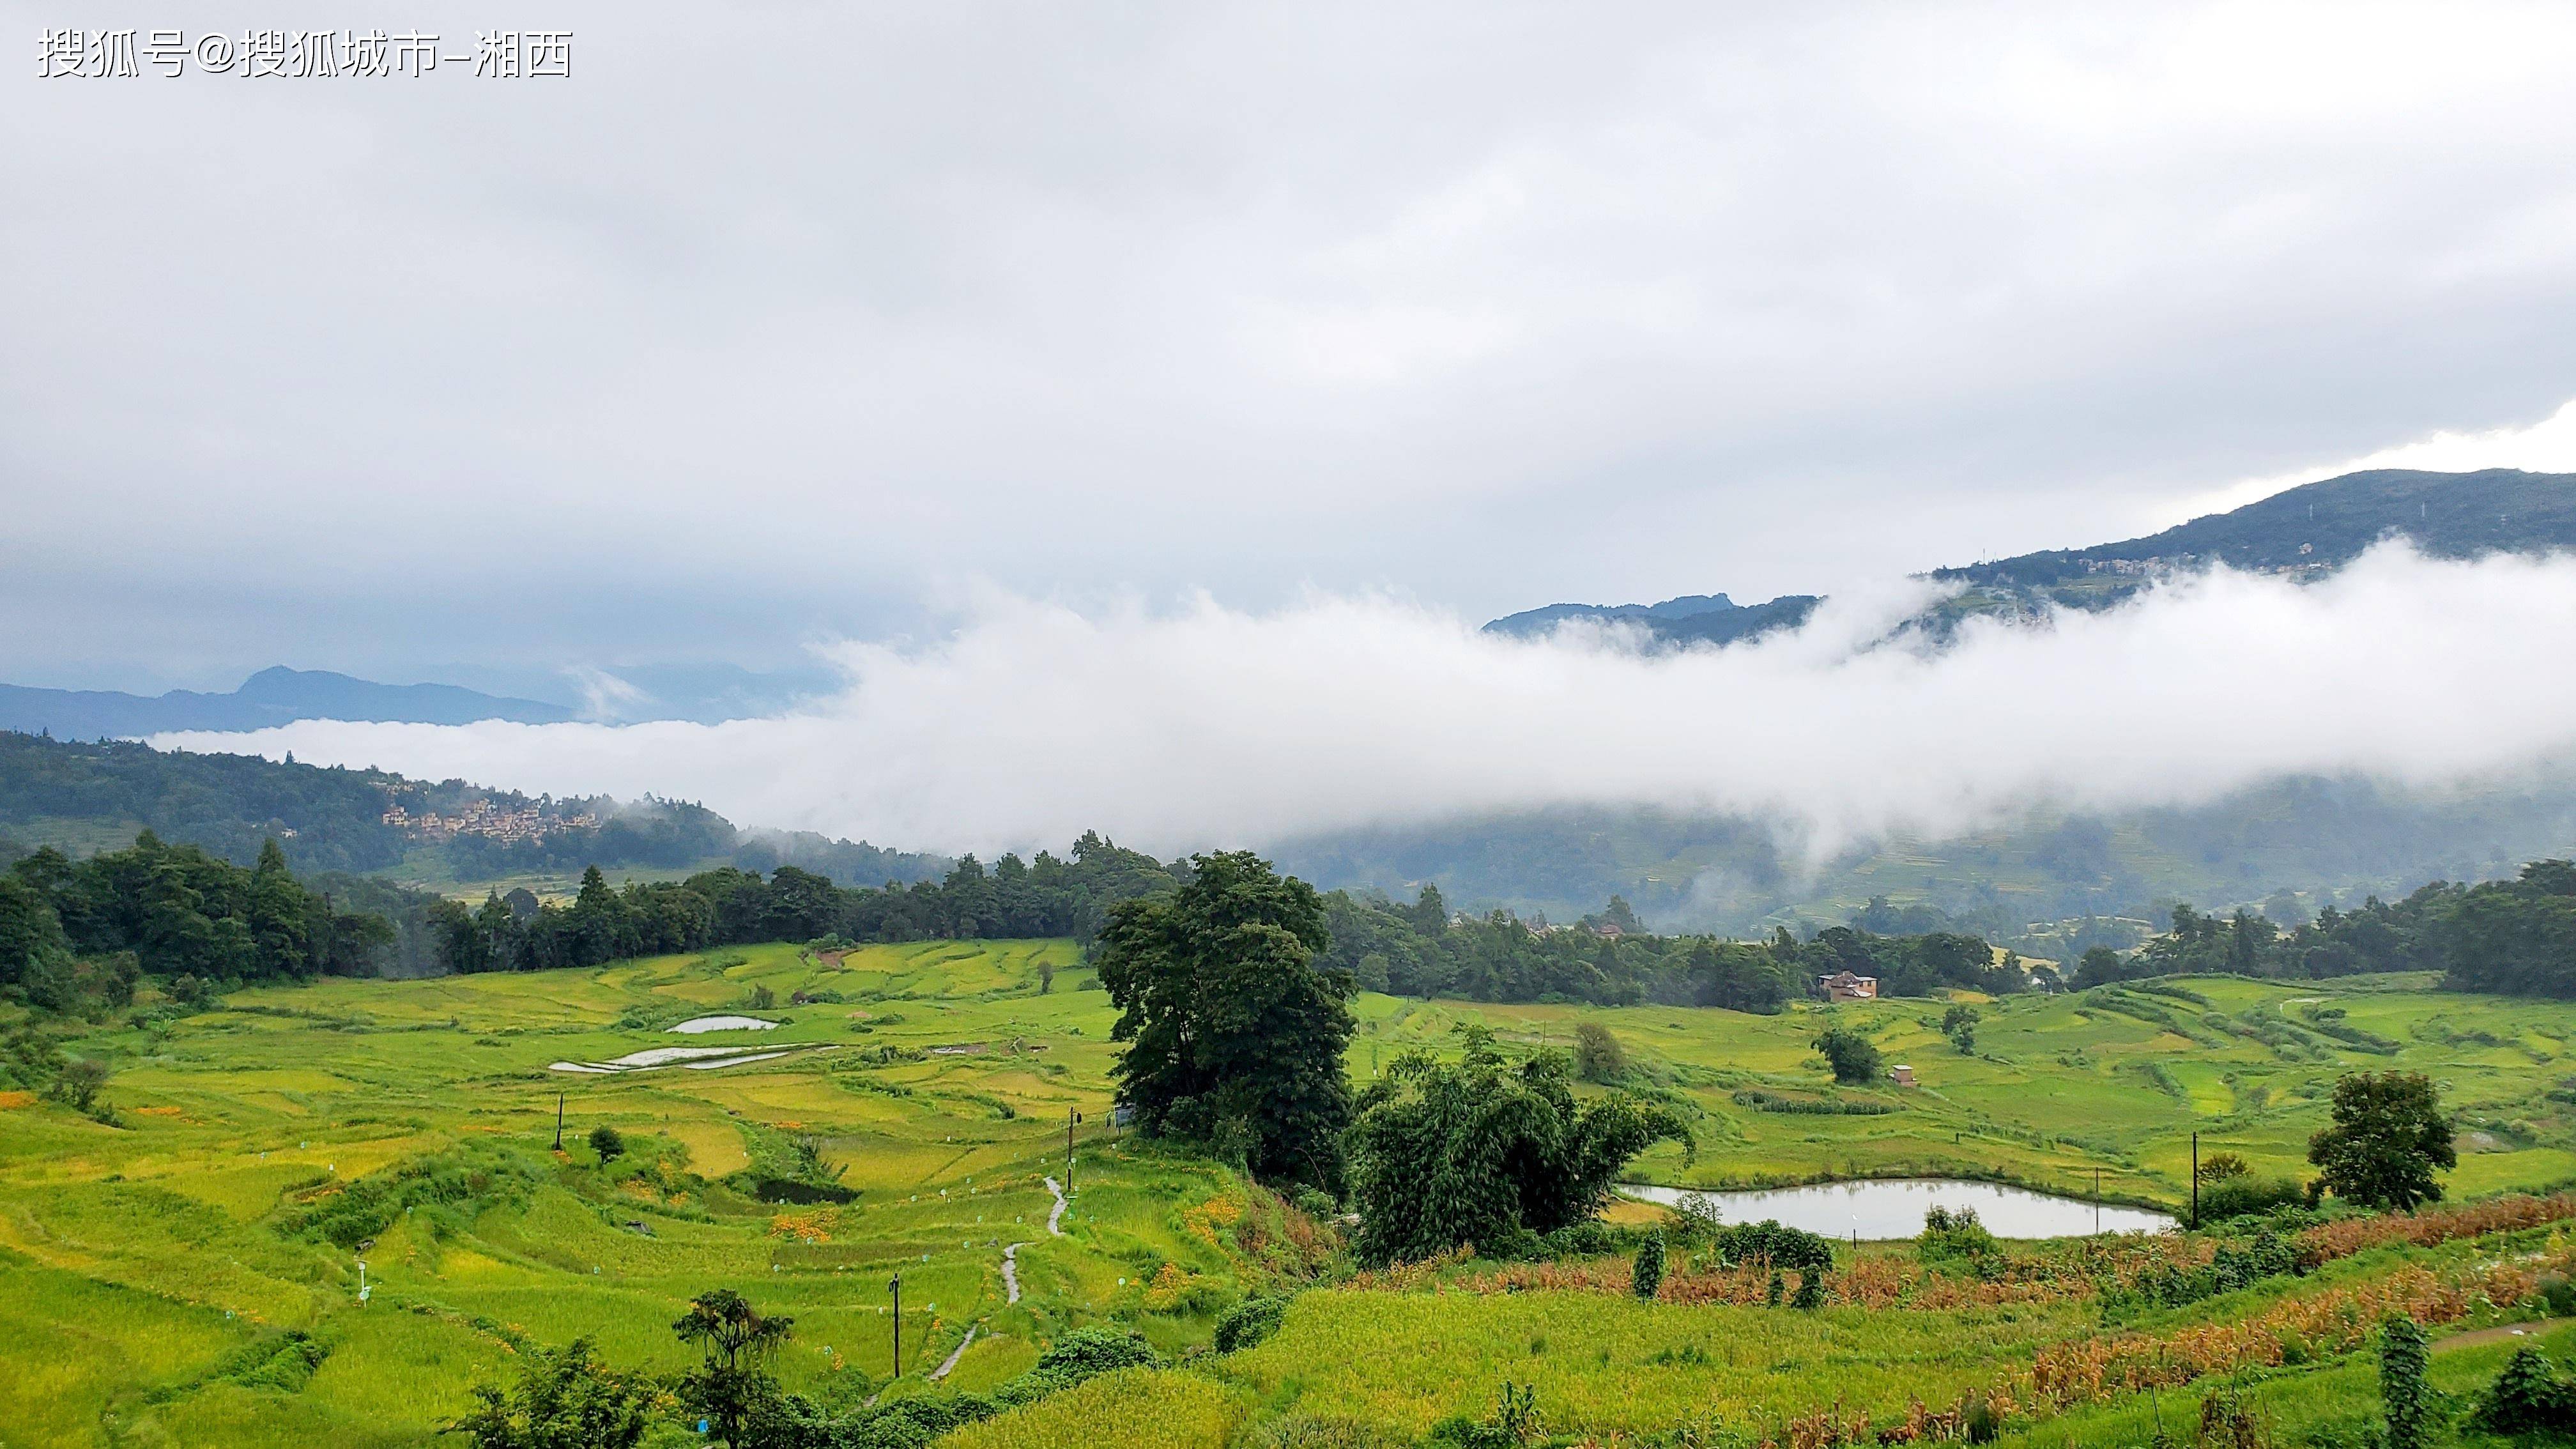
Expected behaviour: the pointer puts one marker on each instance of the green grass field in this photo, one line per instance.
(149, 1272)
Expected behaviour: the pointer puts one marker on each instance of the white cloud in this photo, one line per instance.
(1209, 725)
(723, 342)
(2547, 446)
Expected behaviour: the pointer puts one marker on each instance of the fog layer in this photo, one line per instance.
(1201, 725)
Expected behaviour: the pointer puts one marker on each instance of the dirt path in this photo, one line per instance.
(1055, 1219)
(955, 1354)
(1011, 1272)
(2498, 1334)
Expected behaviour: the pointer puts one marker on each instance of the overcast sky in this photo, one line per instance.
(784, 324)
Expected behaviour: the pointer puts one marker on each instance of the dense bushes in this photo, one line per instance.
(2529, 1397)
(2232, 1197)
(1248, 1323)
(1793, 1249)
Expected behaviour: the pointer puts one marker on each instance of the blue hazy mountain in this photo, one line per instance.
(270, 697)
(1693, 618)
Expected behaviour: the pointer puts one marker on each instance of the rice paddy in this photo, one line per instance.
(152, 1273)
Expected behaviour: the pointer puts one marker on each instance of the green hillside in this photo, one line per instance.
(187, 1271)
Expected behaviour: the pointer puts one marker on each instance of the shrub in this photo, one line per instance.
(1767, 1241)
(2559, 1295)
(2405, 1399)
(563, 1397)
(1515, 1424)
(1598, 1057)
(1811, 1290)
(1856, 1063)
(2528, 1397)
(1955, 1238)
(1248, 1323)
(2232, 1197)
(79, 1083)
(1648, 1275)
(1088, 1351)
(605, 1141)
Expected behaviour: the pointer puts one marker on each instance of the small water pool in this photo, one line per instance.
(1894, 1207)
(697, 1024)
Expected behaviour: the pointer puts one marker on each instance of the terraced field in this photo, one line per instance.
(153, 1274)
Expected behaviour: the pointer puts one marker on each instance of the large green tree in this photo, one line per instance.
(1234, 1035)
(2387, 1140)
(1486, 1152)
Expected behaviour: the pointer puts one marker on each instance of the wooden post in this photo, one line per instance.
(559, 1121)
(2195, 1181)
(1070, 1117)
(897, 1286)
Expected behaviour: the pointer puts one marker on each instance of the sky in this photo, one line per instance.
(772, 334)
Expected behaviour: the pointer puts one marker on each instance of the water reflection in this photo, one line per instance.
(1894, 1208)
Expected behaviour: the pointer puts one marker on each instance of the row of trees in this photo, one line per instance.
(2513, 936)
(75, 931)
(730, 906)
(1421, 950)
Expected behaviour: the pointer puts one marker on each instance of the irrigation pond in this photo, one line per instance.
(1885, 1208)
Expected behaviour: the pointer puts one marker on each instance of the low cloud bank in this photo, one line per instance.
(1205, 726)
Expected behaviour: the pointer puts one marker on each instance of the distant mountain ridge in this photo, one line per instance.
(1694, 618)
(2303, 532)
(270, 697)
(81, 796)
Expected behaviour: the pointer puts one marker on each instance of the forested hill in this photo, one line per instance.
(270, 697)
(2326, 525)
(87, 796)
(2305, 532)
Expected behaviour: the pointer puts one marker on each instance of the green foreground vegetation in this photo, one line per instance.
(181, 1266)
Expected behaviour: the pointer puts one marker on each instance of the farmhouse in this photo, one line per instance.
(1844, 986)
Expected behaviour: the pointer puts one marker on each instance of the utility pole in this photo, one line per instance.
(897, 1286)
(2097, 1202)
(559, 1121)
(1070, 1117)
(2195, 1180)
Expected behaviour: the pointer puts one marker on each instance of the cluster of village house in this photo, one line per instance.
(481, 817)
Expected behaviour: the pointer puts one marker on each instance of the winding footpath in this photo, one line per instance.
(1010, 1282)
(955, 1354)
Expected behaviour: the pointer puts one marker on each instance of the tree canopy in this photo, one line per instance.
(2387, 1139)
(72, 931)
(1855, 1061)
(1488, 1153)
(1234, 1034)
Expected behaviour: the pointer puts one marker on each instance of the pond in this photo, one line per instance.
(1894, 1208)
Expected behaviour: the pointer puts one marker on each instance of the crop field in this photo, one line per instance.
(191, 1275)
